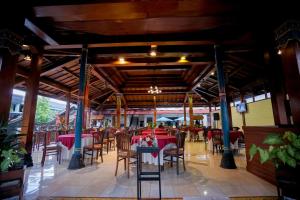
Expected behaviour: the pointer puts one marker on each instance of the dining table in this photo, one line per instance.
(67, 143)
(157, 131)
(233, 136)
(163, 142)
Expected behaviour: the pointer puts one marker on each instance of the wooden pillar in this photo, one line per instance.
(67, 113)
(76, 160)
(154, 111)
(125, 116)
(184, 114)
(118, 110)
(229, 99)
(190, 99)
(227, 158)
(288, 38)
(10, 45)
(30, 102)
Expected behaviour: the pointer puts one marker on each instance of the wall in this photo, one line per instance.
(259, 113)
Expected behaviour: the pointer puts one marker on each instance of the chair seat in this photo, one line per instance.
(96, 146)
(125, 154)
(173, 152)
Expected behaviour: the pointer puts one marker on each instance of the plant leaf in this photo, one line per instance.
(273, 139)
(291, 150)
(290, 136)
(282, 155)
(291, 162)
(297, 155)
(264, 155)
(252, 151)
(296, 143)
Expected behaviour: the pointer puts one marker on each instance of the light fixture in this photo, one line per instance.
(212, 73)
(183, 59)
(154, 90)
(153, 51)
(27, 58)
(121, 61)
(279, 52)
(25, 46)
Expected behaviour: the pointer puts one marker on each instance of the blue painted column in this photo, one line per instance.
(76, 160)
(227, 158)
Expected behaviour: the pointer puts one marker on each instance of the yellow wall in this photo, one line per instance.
(259, 113)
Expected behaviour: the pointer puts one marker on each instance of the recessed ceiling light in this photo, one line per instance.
(183, 59)
(153, 53)
(279, 52)
(28, 58)
(25, 46)
(213, 73)
(122, 60)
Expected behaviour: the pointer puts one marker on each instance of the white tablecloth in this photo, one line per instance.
(149, 158)
(66, 154)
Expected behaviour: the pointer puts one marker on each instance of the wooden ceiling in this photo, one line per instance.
(127, 29)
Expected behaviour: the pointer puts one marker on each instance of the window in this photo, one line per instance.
(259, 97)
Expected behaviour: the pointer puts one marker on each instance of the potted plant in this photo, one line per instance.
(284, 151)
(11, 157)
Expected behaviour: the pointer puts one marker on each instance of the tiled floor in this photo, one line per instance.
(203, 178)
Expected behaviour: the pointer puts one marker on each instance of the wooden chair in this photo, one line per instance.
(50, 146)
(12, 184)
(177, 152)
(97, 145)
(124, 151)
(217, 142)
(109, 138)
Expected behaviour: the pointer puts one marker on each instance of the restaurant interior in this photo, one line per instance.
(173, 99)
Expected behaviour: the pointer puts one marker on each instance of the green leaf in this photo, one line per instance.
(252, 151)
(282, 155)
(297, 155)
(264, 155)
(273, 139)
(291, 162)
(291, 150)
(296, 143)
(290, 136)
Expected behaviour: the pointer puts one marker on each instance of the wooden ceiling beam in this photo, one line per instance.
(101, 94)
(38, 32)
(97, 73)
(46, 81)
(203, 75)
(64, 62)
(98, 65)
(133, 44)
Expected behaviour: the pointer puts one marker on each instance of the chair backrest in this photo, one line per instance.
(217, 137)
(180, 139)
(123, 142)
(98, 137)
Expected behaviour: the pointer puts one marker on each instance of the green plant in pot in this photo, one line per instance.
(11, 167)
(284, 151)
(12, 152)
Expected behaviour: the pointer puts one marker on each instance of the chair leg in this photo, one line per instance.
(183, 162)
(213, 149)
(97, 154)
(116, 166)
(177, 164)
(125, 164)
(43, 158)
(92, 157)
(171, 161)
(83, 154)
(128, 168)
(107, 145)
(101, 155)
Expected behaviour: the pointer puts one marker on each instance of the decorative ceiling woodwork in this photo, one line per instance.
(127, 29)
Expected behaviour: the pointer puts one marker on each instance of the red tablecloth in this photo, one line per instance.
(156, 132)
(68, 140)
(162, 140)
(234, 135)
